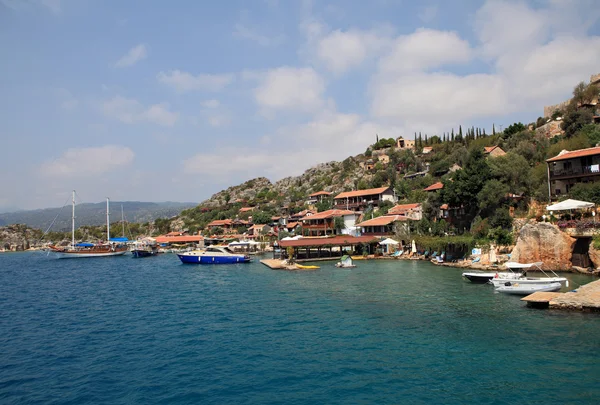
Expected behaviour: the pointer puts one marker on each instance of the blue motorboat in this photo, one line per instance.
(213, 255)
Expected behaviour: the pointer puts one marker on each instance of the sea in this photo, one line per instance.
(154, 331)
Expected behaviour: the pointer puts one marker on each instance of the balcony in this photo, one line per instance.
(318, 227)
(592, 170)
(342, 205)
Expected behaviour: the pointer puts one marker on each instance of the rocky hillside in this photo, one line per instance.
(19, 237)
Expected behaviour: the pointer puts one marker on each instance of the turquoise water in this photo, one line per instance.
(122, 330)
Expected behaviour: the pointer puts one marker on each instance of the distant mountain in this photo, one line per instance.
(94, 214)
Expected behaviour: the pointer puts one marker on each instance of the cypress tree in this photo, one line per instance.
(452, 136)
(426, 140)
(493, 129)
(460, 131)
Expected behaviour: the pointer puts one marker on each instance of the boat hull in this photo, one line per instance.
(79, 255)
(212, 259)
(142, 253)
(485, 277)
(499, 282)
(526, 289)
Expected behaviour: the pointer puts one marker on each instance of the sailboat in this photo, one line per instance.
(88, 249)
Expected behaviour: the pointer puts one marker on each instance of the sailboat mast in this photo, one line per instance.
(123, 220)
(73, 222)
(107, 220)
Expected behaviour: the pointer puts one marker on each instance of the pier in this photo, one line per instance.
(585, 298)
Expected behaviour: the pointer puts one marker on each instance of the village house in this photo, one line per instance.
(384, 159)
(571, 167)
(361, 199)
(427, 150)
(292, 226)
(299, 215)
(434, 187)
(318, 197)
(381, 226)
(225, 224)
(279, 221)
(246, 209)
(257, 230)
(323, 223)
(493, 151)
(402, 143)
(412, 211)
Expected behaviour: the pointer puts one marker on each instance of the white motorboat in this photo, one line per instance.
(482, 277)
(517, 288)
(213, 255)
(500, 281)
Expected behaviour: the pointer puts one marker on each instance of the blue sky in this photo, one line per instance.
(155, 100)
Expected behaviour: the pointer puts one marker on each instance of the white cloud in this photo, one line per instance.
(291, 88)
(183, 81)
(81, 162)
(439, 97)
(330, 136)
(131, 111)
(426, 49)
(135, 54)
(24, 5)
(243, 32)
(342, 50)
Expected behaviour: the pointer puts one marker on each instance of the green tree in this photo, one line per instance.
(339, 224)
(261, 218)
(575, 120)
(324, 205)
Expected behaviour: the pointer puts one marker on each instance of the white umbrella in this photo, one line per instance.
(389, 241)
(569, 205)
(414, 246)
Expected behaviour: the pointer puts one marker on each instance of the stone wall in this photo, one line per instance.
(549, 109)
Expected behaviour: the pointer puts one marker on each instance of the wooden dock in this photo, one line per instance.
(585, 298)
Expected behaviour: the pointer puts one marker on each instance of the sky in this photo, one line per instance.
(176, 100)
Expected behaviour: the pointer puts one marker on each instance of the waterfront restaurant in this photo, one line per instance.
(324, 248)
(180, 239)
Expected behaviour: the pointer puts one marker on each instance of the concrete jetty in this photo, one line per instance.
(585, 298)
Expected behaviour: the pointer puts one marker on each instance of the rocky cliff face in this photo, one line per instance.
(15, 238)
(544, 242)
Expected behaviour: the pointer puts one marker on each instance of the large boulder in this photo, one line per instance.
(594, 256)
(544, 242)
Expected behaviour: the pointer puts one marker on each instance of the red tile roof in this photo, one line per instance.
(435, 186)
(320, 193)
(328, 214)
(246, 209)
(575, 154)
(342, 240)
(360, 193)
(383, 220)
(402, 208)
(302, 213)
(444, 206)
(178, 239)
(292, 225)
(174, 233)
(490, 149)
(220, 222)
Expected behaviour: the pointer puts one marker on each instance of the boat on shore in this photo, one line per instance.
(524, 279)
(213, 255)
(483, 277)
(83, 250)
(517, 288)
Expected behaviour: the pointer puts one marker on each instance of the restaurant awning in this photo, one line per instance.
(569, 205)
